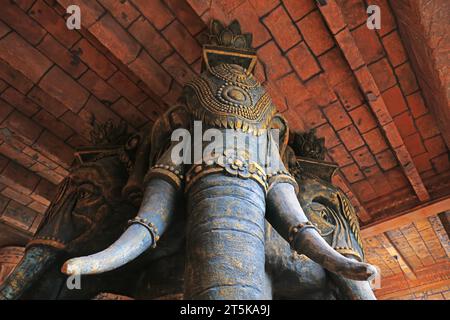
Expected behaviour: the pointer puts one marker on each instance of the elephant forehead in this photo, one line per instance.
(232, 73)
(94, 172)
(228, 92)
(89, 173)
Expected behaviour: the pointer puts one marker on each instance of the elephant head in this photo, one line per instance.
(227, 192)
(89, 210)
(325, 205)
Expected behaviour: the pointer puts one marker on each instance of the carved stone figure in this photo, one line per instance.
(91, 209)
(331, 212)
(288, 275)
(229, 193)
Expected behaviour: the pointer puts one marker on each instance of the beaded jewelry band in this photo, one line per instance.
(295, 230)
(349, 251)
(149, 226)
(169, 173)
(279, 177)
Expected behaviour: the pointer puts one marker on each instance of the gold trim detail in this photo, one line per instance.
(295, 230)
(209, 101)
(233, 166)
(166, 172)
(51, 242)
(282, 176)
(236, 75)
(352, 219)
(152, 229)
(230, 103)
(250, 56)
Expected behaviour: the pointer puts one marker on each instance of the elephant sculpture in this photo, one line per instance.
(330, 211)
(90, 210)
(288, 275)
(228, 190)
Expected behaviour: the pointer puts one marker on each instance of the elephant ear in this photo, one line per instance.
(147, 146)
(290, 160)
(353, 240)
(139, 146)
(175, 118)
(280, 123)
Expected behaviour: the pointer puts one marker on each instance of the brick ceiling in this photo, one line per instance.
(368, 92)
(413, 260)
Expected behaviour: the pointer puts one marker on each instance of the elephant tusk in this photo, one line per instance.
(353, 290)
(157, 208)
(133, 242)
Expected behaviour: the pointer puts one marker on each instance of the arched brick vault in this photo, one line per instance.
(323, 67)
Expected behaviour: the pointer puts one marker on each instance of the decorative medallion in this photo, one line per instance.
(234, 96)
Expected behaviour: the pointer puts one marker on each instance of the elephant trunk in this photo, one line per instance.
(34, 263)
(353, 290)
(225, 239)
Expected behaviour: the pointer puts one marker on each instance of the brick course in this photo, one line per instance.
(63, 88)
(280, 25)
(112, 35)
(182, 41)
(23, 57)
(150, 38)
(315, 33)
(303, 61)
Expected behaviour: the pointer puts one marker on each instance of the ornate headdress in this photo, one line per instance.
(229, 45)
(108, 140)
(227, 95)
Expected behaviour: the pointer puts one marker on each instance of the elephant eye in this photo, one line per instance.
(324, 215)
(86, 190)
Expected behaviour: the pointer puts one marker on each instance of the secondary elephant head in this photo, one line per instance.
(89, 210)
(325, 205)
